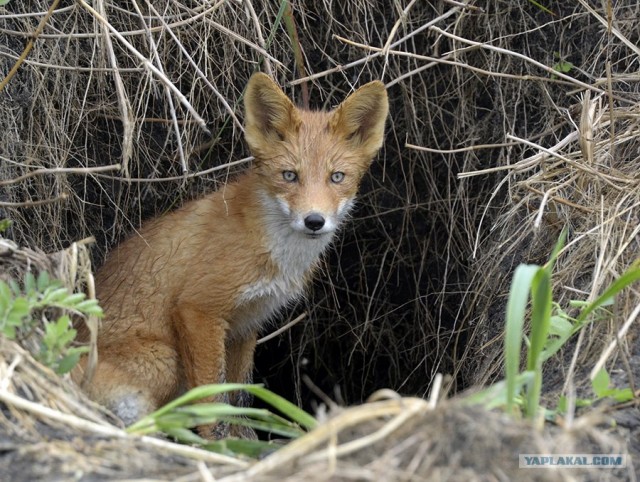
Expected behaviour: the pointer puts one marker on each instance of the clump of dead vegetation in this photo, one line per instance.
(509, 123)
(49, 428)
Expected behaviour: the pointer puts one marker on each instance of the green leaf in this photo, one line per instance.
(201, 392)
(64, 328)
(74, 298)
(249, 448)
(218, 410)
(147, 424)
(178, 415)
(185, 436)
(627, 278)
(583, 402)
(49, 338)
(94, 310)
(608, 302)
(622, 395)
(541, 7)
(600, 383)
(560, 326)
(5, 298)
(69, 361)
(9, 332)
(540, 316)
(43, 281)
(554, 345)
(562, 405)
(563, 66)
(272, 426)
(516, 309)
(65, 338)
(556, 251)
(60, 327)
(18, 311)
(540, 320)
(30, 283)
(534, 280)
(5, 223)
(15, 287)
(495, 396)
(276, 22)
(89, 307)
(284, 406)
(54, 294)
(560, 312)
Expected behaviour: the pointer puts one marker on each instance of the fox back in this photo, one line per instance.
(185, 297)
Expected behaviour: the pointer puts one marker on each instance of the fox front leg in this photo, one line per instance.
(240, 353)
(202, 349)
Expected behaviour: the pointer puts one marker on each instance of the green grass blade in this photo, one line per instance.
(147, 423)
(298, 55)
(205, 414)
(222, 410)
(540, 316)
(556, 250)
(627, 278)
(276, 23)
(541, 7)
(541, 310)
(183, 412)
(185, 436)
(199, 393)
(284, 406)
(234, 447)
(516, 309)
(270, 425)
(495, 396)
(554, 346)
(541, 304)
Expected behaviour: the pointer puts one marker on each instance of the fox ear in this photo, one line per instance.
(269, 114)
(361, 117)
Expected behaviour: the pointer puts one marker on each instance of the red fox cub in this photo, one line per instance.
(185, 297)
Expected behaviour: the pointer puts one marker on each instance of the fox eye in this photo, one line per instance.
(337, 177)
(289, 176)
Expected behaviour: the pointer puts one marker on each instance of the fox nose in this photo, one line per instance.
(314, 221)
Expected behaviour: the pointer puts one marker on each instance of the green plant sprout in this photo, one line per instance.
(601, 386)
(4, 223)
(541, 7)
(551, 328)
(178, 417)
(17, 307)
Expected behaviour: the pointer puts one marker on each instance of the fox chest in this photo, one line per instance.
(258, 302)
(294, 258)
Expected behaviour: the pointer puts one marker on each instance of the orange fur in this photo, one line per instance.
(185, 297)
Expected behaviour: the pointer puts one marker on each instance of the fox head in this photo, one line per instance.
(311, 163)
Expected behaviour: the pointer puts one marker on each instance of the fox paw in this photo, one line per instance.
(240, 431)
(217, 431)
(130, 407)
(224, 430)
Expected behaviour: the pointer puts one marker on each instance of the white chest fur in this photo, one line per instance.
(294, 255)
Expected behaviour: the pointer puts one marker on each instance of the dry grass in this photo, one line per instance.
(49, 429)
(122, 110)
